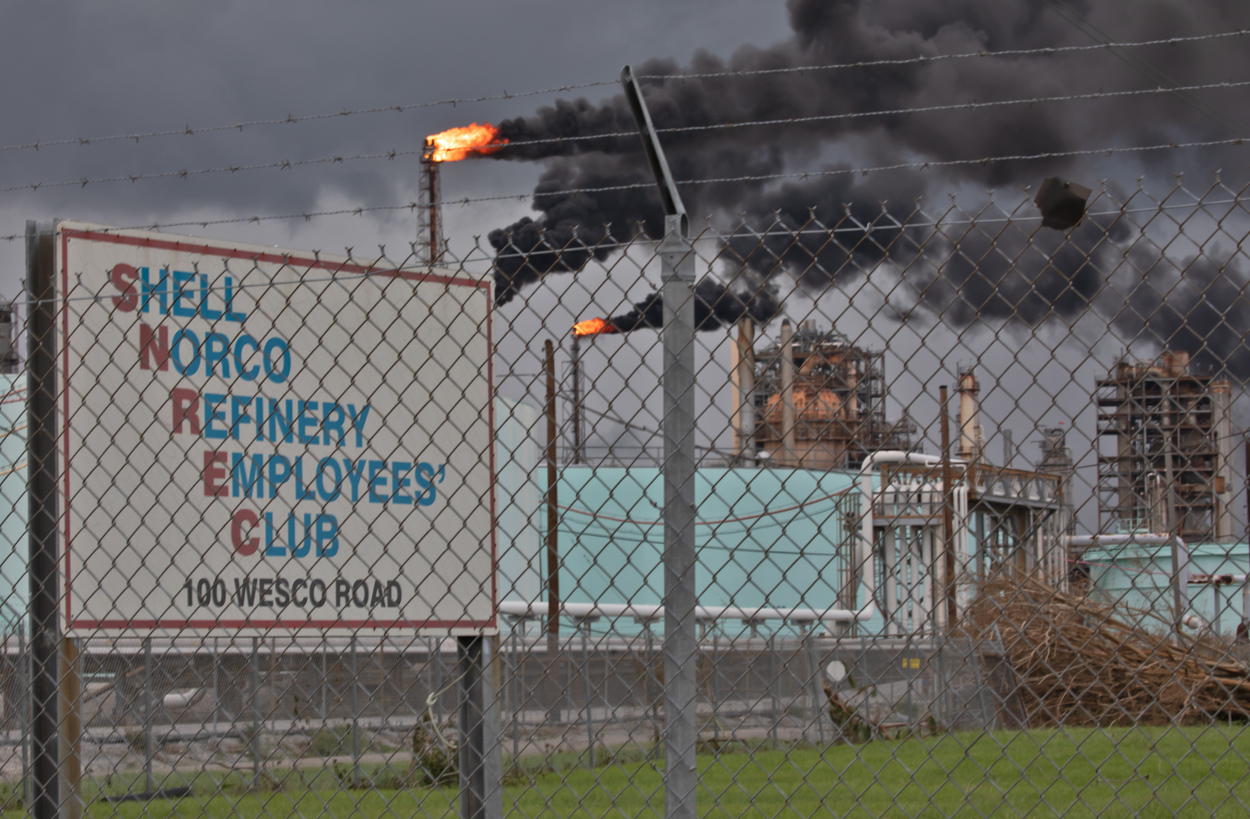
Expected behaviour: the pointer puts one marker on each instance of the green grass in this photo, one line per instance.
(1076, 772)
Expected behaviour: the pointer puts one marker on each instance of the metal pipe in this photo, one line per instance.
(576, 389)
(774, 704)
(948, 518)
(789, 449)
(517, 692)
(650, 612)
(584, 627)
(653, 683)
(216, 662)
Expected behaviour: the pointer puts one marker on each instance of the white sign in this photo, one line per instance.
(256, 438)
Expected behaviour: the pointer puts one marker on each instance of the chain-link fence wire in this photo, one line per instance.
(1025, 596)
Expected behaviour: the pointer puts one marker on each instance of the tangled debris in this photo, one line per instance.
(1078, 662)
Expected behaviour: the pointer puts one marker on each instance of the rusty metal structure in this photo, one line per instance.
(819, 402)
(1165, 458)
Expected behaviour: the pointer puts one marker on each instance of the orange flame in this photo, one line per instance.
(594, 327)
(455, 144)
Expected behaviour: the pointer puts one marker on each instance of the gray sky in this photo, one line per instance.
(80, 70)
(90, 70)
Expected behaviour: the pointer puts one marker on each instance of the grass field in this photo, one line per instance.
(1076, 772)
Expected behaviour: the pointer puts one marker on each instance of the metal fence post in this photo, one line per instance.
(149, 785)
(472, 727)
(774, 704)
(41, 457)
(355, 704)
(255, 743)
(515, 693)
(584, 627)
(680, 592)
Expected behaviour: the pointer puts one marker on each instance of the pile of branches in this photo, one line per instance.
(1079, 662)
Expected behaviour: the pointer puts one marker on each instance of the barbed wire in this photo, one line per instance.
(287, 164)
(1017, 52)
(919, 165)
(291, 119)
(412, 206)
(282, 164)
(389, 155)
(927, 109)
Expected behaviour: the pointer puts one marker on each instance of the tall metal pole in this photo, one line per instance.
(680, 592)
(41, 456)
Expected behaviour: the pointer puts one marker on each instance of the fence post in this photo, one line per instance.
(355, 704)
(255, 743)
(149, 785)
(71, 729)
(680, 592)
(478, 800)
(41, 457)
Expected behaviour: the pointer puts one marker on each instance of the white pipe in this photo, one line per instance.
(651, 613)
(182, 699)
(1086, 541)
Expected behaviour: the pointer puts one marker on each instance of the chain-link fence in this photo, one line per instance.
(963, 511)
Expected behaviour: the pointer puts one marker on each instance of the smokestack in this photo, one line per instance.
(1057, 460)
(578, 416)
(742, 382)
(1222, 423)
(430, 243)
(971, 443)
(788, 448)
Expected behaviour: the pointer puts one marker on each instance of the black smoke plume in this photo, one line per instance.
(780, 227)
(715, 306)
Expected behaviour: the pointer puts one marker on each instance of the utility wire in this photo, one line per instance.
(289, 119)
